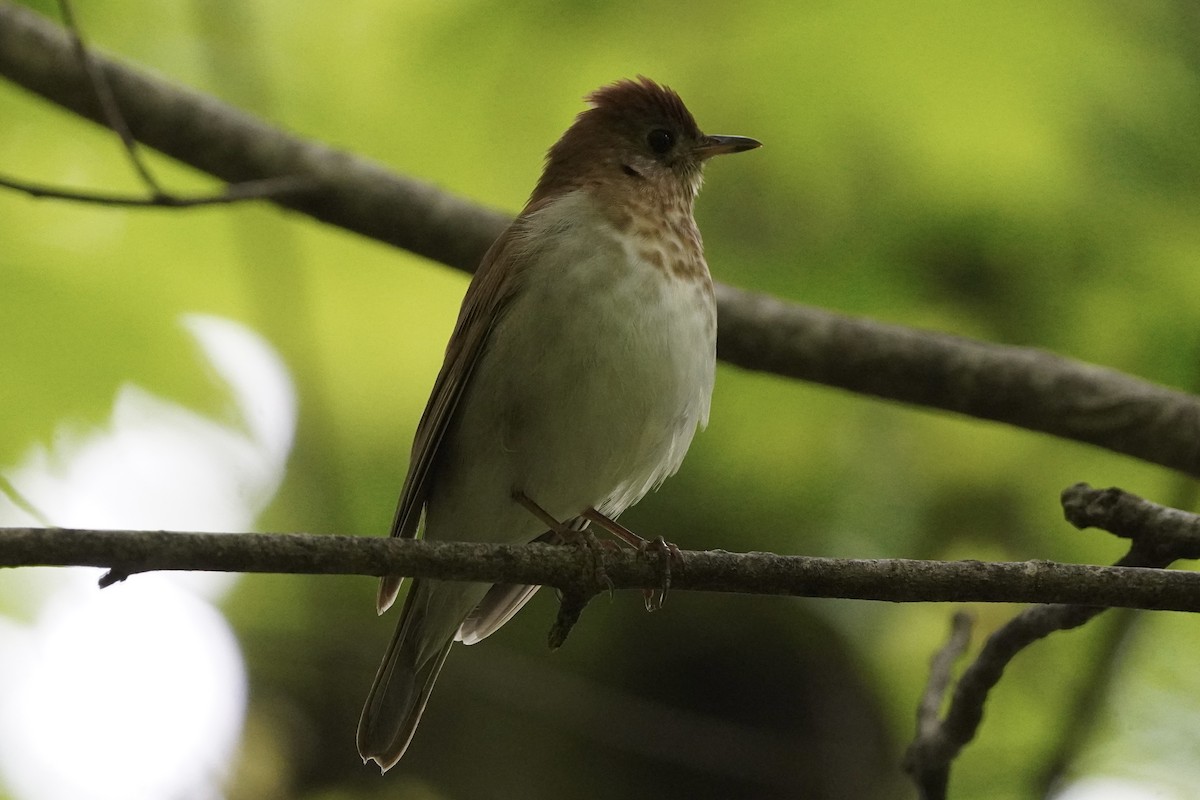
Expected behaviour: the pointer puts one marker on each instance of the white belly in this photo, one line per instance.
(590, 390)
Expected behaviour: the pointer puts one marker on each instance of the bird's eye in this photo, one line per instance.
(660, 140)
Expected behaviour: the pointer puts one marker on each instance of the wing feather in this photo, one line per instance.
(482, 305)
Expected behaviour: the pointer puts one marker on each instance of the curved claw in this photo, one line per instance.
(667, 553)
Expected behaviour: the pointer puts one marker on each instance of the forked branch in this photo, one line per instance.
(1159, 536)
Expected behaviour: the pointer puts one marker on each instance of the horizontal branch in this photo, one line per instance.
(1025, 387)
(267, 188)
(894, 580)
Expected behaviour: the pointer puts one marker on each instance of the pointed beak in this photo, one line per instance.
(719, 145)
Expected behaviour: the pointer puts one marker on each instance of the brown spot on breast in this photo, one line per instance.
(648, 231)
(690, 268)
(654, 256)
(621, 219)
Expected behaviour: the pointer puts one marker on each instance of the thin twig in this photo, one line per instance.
(104, 95)
(1102, 665)
(94, 68)
(1132, 518)
(265, 189)
(941, 669)
(929, 757)
(932, 785)
(1160, 534)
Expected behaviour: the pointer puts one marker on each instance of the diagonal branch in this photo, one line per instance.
(1024, 387)
(108, 104)
(354, 193)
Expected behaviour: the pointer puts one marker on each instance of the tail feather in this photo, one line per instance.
(496, 608)
(435, 614)
(505, 599)
(402, 686)
(389, 588)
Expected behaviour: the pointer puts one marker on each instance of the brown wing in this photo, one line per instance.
(485, 299)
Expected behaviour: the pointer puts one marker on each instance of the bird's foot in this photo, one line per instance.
(668, 554)
(574, 533)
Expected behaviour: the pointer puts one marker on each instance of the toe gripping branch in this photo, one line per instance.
(593, 579)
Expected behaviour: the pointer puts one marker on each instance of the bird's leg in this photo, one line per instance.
(526, 502)
(615, 528)
(666, 552)
(566, 533)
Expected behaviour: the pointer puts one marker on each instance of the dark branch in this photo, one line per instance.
(1160, 536)
(894, 580)
(1025, 387)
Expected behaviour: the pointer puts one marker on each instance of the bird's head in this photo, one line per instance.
(637, 135)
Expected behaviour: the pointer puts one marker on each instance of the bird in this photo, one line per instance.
(579, 369)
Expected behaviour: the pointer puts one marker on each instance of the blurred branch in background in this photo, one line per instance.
(268, 188)
(114, 119)
(1025, 387)
(354, 193)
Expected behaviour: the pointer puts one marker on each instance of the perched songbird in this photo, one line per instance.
(579, 369)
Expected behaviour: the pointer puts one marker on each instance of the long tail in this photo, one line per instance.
(406, 677)
(435, 614)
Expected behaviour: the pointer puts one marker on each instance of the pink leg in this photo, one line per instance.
(667, 550)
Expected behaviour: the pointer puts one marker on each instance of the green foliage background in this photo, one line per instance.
(1020, 172)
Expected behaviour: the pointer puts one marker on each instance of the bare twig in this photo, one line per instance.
(1021, 386)
(111, 116)
(893, 580)
(1160, 535)
(941, 668)
(570, 607)
(265, 189)
(104, 94)
(929, 709)
(215, 138)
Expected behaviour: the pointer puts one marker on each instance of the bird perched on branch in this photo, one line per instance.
(578, 372)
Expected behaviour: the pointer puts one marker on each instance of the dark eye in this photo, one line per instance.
(660, 140)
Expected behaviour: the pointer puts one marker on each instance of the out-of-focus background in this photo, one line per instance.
(1019, 172)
